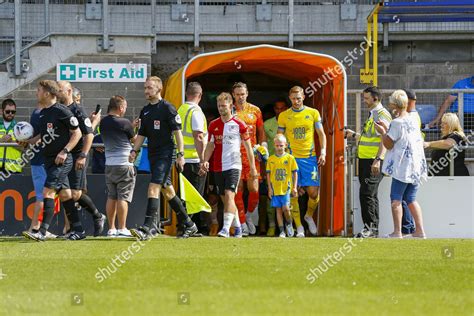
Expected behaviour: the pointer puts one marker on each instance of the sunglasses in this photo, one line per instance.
(9, 112)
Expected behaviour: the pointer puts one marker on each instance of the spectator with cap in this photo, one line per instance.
(451, 102)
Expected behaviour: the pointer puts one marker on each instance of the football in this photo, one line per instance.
(23, 131)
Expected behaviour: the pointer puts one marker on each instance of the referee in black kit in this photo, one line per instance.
(59, 123)
(77, 176)
(159, 122)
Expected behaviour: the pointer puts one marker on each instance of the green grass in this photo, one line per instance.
(259, 276)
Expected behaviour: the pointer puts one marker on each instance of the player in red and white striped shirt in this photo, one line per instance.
(226, 134)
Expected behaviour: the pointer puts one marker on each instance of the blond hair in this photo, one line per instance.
(279, 138)
(399, 98)
(156, 80)
(454, 126)
(296, 89)
(225, 97)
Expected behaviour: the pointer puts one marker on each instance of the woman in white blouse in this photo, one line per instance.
(405, 162)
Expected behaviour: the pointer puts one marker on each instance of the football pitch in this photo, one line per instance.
(252, 276)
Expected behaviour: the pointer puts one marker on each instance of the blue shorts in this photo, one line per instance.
(38, 174)
(403, 191)
(281, 200)
(308, 174)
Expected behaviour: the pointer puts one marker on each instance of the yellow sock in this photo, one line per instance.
(295, 211)
(312, 205)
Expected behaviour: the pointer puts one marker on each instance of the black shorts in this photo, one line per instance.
(227, 180)
(57, 176)
(161, 170)
(77, 178)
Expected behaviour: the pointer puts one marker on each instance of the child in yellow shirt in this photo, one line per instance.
(282, 179)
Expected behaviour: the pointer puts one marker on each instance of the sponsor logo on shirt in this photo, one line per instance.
(156, 124)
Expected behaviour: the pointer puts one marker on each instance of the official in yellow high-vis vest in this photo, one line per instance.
(9, 156)
(194, 130)
(370, 152)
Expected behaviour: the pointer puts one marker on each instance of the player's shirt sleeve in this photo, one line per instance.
(210, 134)
(267, 165)
(173, 118)
(142, 130)
(85, 123)
(67, 118)
(259, 122)
(282, 121)
(293, 164)
(243, 129)
(317, 119)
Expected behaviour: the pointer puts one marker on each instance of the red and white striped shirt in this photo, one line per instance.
(227, 137)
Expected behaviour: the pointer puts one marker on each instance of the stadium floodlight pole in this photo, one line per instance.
(46, 17)
(105, 24)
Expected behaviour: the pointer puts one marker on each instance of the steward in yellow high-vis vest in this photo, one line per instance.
(9, 156)
(370, 151)
(369, 140)
(186, 112)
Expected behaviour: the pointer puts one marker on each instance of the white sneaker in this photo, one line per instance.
(123, 233)
(245, 230)
(112, 233)
(289, 230)
(250, 224)
(282, 234)
(50, 235)
(300, 231)
(311, 225)
(223, 233)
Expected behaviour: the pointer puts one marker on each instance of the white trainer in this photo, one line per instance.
(112, 233)
(300, 231)
(123, 233)
(250, 224)
(289, 230)
(311, 225)
(282, 234)
(245, 230)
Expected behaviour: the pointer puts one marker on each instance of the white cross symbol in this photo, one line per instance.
(67, 72)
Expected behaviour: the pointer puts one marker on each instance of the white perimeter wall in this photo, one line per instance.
(447, 204)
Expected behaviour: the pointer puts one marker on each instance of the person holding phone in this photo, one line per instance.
(370, 152)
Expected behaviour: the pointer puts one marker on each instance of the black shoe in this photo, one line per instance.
(64, 236)
(191, 232)
(99, 225)
(141, 233)
(34, 236)
(366, 234)
(76, 235)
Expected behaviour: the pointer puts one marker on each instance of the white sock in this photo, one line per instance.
(236, 222)
(228, 218)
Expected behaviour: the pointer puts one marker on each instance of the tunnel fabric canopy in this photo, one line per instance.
(320, 75)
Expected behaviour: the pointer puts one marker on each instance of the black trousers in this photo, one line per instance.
(369, 186)
(191, 172)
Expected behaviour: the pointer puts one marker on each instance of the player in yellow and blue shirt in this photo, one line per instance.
(298, 124)
(282, 179)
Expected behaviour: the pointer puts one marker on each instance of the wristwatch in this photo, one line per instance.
(66, 151)
(83, 155)
(378, 158)
(135, 151)
(179, 154)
